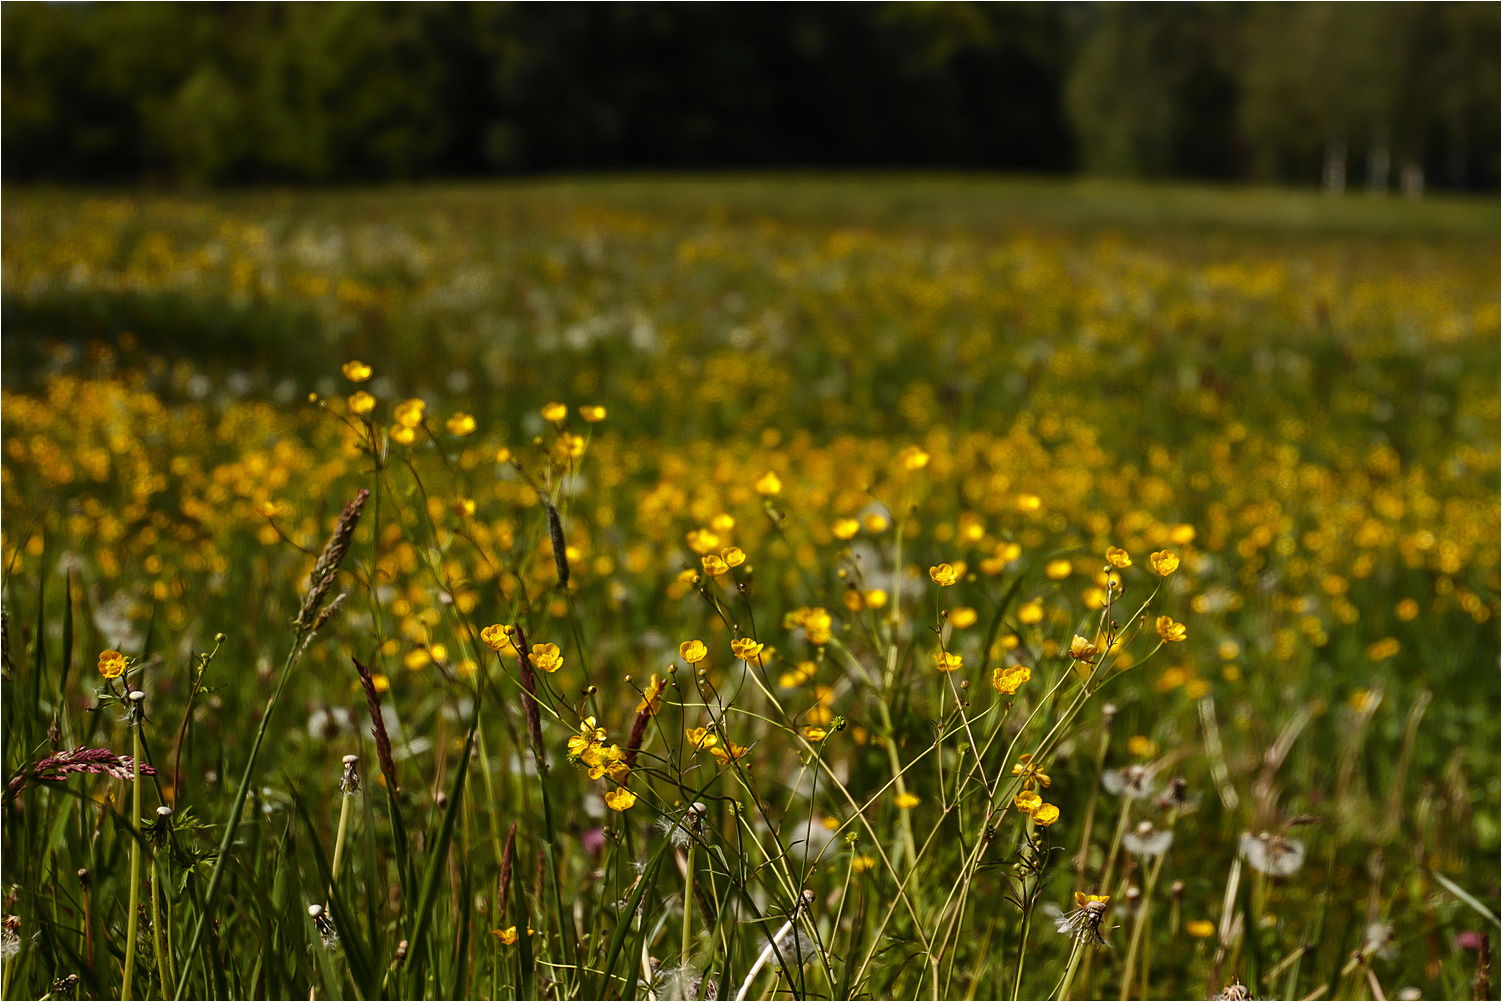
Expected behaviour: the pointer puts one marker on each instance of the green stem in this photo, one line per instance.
(163, 978)
(688, 908)
(237, 811)
(135, 857)
(1074, 963)
(339, 839)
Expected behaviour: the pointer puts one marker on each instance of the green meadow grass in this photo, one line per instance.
(818, 392)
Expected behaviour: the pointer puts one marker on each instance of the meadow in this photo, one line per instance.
(750, 588)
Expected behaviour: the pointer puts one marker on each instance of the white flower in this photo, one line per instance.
(1146, 840)
(1273, 855)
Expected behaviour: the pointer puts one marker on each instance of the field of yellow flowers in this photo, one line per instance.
(750, 589)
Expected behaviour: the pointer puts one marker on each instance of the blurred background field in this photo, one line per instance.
(851, 378)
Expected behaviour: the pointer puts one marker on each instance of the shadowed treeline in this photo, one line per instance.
(1387, 95)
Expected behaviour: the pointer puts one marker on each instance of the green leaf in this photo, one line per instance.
(1465, 897)
(623, 925)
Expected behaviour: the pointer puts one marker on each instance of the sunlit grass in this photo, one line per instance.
(835, 519)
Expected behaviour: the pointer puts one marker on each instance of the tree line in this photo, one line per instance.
(1387, 95)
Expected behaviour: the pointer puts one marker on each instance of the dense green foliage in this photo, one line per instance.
(280, 92)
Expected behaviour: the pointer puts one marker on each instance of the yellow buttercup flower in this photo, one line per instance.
(693, 651)
(1032, 775)
(111, 664)
(769, 484)
(714, 566)
(876, 523)
(733, 556)
(460, 424)
(702, 737)
(1059, 569)
(1165, 562)
(845, 528)
(876, 598)
(814, 733)
(732, 752)
(507, 935)
(356, 371)
(361, 402)
(409, 413)
(546, 657)
(594, 413)
(554, 412)
(268, 509)
(1200, 928)
(620, 800)
(1030, 613)
(943, 575)
(1008, 680)
(745, 648)
(963, 617)
(1117, 557)
(1046, 814)
(497, 639)
(913, 458)
(1170, 631)
(651, 700)
(1081, 649)
(947, 660)
(906, 801)
(402, 435)
(1027, 801)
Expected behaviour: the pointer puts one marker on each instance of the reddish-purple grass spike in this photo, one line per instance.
(86, 761)
(378, 726)
(529, 701)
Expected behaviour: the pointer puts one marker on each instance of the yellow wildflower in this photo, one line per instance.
(496, 638)
(1081, 649)
(1046, 815)
(1165, 562)
(356, 371)
(1032, 775)
(620, 800)
(1008, 680)
(1117, 557)
(111, 664)
(963, 617)
(593, 413)
(732, 752)
(507, 935)
(943, 575)
(702, 737)
(409, 413)
(815, 733)
(1059, 569)
(361, 402)
(1030, 612)
(1027, 801)
(1170, 631)
(745, 648)
(714, 566)
(733, 556)
(906, 801)
(546, 657)
(913, 458)
(460, 424)
(554, 412)
(651, 700)
(947, 660)
(693, 651)
(769, 484)
(845, 528)
(1200, 928)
